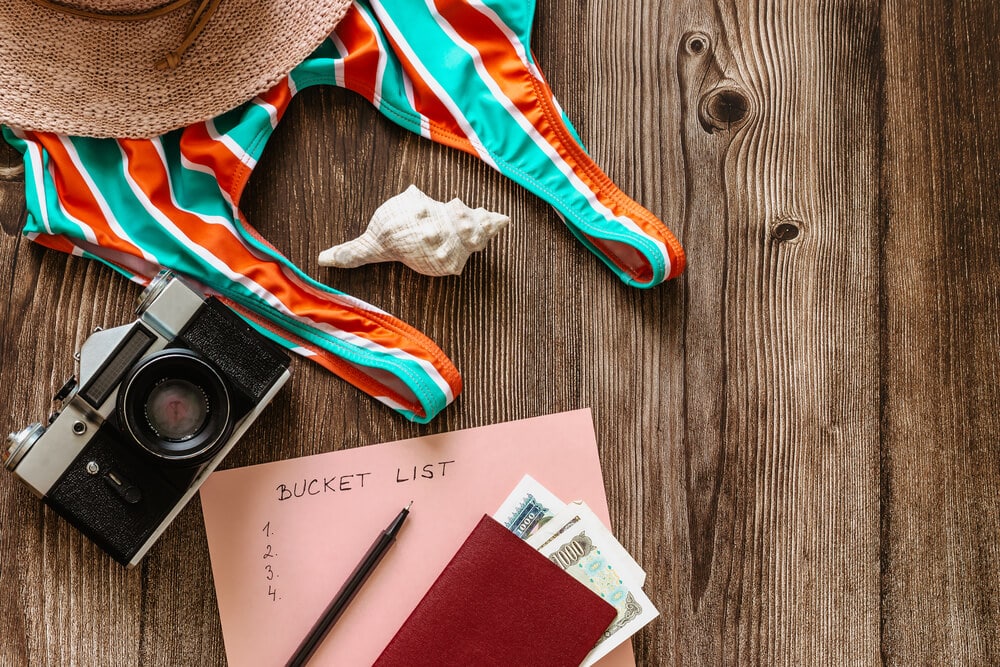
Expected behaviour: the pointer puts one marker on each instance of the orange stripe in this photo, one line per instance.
(76, 196)
(150, 174)
(361, 60)
(444, 128)
(60, 243)
(534, 99)
(279, 96)
(199, 147)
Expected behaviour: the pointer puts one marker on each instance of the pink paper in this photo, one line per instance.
(284, 536)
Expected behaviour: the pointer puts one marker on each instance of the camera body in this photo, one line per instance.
(159, 404)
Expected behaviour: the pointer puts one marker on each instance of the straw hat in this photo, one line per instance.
(137, 68)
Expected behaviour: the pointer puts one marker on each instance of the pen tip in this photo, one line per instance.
(409, 506)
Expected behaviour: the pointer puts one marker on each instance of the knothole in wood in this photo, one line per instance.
(786, 230)
(723, 108)
(697, 43)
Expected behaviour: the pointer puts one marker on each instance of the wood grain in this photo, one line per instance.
(799, 436)
(940, 477)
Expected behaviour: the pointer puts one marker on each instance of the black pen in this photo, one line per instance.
(348, 590)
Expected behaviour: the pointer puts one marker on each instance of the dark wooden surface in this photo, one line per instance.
(799, 436)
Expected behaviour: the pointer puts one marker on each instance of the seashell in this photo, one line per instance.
(430, 237)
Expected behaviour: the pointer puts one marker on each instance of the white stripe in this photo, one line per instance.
(35, 157)
(272, 111)
(88, 231)
(395, 405)
(205, 169)
(102, 203)
(525, 125)
(436, 87)
(231, 144)
(261, 292)
(425, 124)
(558, 107)
(338, 63)
(380, 70)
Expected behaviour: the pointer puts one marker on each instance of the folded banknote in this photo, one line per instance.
(577, 513)
(575, 539)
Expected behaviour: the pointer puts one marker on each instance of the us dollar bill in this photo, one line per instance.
(528, 507)
(592, 564)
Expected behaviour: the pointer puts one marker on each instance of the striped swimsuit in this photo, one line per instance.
(458, 72)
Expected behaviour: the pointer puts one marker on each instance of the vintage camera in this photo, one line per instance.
(158, 405)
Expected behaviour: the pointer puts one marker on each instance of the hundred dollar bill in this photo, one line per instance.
(576, 515)
(589, 562)
(529, 506)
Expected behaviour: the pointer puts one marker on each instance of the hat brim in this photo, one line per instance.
(94, 77)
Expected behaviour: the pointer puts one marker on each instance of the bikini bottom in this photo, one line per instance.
(459, 72)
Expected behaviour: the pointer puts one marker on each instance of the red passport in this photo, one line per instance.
(500, 602)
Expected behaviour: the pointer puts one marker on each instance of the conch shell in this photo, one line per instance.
(430, 237)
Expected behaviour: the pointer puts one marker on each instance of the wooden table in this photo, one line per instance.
(799, 436)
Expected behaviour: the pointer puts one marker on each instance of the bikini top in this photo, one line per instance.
(459, 72)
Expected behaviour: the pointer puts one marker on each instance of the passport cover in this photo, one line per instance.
(500, 602)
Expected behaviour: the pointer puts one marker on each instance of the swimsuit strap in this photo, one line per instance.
(140, 205)
(461, 73)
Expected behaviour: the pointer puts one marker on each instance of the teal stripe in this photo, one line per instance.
(290, 344)
(194, 190)
(319, 69)
(105, 164)
(59, 223)
(519, 17)
(517, 155)
(252, 131)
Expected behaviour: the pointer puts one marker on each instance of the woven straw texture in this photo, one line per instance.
(94, 77)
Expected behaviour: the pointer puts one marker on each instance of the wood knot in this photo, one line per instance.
(697, 43)
(723, 108)
(786, 230)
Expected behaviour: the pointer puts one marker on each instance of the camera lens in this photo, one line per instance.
(176, 409)
(175, 406)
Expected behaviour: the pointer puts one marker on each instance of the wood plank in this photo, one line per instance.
(774, 488)
(798, 436)
(940, 361)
